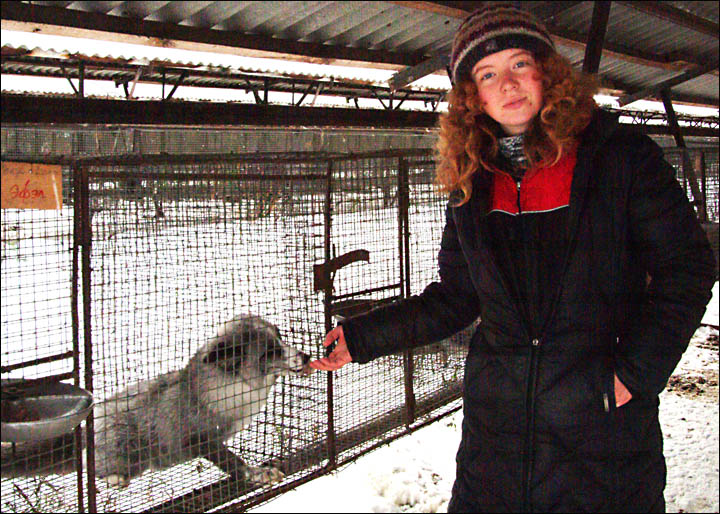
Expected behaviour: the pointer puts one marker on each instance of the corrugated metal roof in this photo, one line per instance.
(646, 47)
(676, 42)
(40, 62)
(708, 10)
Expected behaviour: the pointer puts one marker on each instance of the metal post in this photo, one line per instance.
(703, 179)
(81, 81)
(331, 449)
(688, 170)
(403, 208)
(74, 313)
(86, 239)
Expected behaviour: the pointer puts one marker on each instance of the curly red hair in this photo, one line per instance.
(468, 142)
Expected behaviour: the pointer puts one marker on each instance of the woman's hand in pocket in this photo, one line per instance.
(622, 395)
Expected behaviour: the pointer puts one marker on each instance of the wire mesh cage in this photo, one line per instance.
(703, 162)
(153, 257)
(181, 249)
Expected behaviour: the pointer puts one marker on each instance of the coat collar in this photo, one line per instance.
(593, 138)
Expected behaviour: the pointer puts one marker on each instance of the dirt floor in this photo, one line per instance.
(701, 382)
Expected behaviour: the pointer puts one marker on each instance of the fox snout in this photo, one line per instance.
(306, 369)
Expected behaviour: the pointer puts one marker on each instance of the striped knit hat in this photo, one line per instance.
(494, 29)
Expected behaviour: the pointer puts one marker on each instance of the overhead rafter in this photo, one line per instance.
(33, 109)
(677, 16)
(68, 110)
(596, 36)
(618, 87)
(413, 73)
(666, 84)
(559, 35)
(451, 9)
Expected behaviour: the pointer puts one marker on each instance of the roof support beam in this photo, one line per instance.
(34, 109)
(677, 16)
(67, 76)
(596, 36)
(67, 110)
(304, 93)
(688, 170)
(413, 73)
(138, 73)
(80, 90)
(182, 76)
(666, 84)
(81, 80)
(458, 10)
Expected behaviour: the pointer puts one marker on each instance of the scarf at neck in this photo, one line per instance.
(511, 147)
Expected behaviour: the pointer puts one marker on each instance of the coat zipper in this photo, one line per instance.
(530, 427)
(528, 448)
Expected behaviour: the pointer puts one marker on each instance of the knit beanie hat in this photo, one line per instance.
(493, 29)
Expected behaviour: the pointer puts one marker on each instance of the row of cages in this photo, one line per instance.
(187, 294)
(699, 165)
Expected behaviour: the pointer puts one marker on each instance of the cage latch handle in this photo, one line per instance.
(325, 273)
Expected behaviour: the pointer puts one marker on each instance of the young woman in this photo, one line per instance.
(571, 240)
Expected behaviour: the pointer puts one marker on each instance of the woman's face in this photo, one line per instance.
(510, 88)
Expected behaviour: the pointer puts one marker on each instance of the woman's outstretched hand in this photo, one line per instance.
(339, 356)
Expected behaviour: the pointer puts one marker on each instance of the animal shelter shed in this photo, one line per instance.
(170, 217)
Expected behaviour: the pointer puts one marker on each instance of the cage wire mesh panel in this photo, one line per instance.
(437, 368)
(179, 247)
(704, 162)
(178, 250)
(365, 217)
(37, 337)
(388, 213)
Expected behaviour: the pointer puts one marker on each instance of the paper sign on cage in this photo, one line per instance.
(31, 186)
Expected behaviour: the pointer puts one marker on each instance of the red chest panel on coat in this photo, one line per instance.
(542, 189)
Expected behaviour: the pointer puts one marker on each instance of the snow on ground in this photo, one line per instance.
(416, 473)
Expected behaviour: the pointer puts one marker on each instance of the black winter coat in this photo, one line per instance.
(541, 431)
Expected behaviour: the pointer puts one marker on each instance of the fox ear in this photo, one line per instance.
(211, 356)
(226, 351)
(276, 332)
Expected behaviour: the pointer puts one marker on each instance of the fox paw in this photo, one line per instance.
(264, 475)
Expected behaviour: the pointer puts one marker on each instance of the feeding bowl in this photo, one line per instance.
(37, 411)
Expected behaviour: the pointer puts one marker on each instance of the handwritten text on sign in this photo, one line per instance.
(31, 186)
